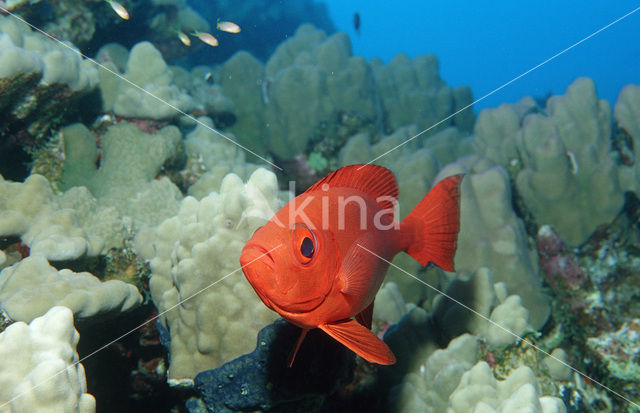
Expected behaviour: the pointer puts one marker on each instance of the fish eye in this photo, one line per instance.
(306, 248)
(305, 244)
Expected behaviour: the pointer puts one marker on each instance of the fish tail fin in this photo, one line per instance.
(435, 223)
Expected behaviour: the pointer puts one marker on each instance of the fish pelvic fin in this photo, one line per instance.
(435, 223)
(360, 340)
(294, 351)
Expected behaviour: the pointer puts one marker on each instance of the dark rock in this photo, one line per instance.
(261, 379)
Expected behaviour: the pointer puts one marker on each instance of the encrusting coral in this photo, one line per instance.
(198, 248)
(210, 158)
(130, 161)
(428, 389)
(39, 368)
(560, 157)
(41, 83)
(478, 391)
(493, 236)
(30, 210)
(321, 72)
(145, 69)
(29, 288)
(490, 311)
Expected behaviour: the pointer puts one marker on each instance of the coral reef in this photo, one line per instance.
(559, 157)
(596, 306)
(196, 249)
(39, 366)
(41, 84)
(619, 350)
(129, 163)
(29, 288)
(148, 90)
(129, 205)
(493, 236)
(335, 86)
(91, 24)
(29, 210)
(210, 158)
(428, 390)
(413, 93)
(479, 391)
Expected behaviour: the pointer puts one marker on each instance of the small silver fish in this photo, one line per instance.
(228, 27)
(119, 9)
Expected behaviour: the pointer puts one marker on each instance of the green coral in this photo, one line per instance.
(129, 158)
(119, 181)
(317, 162)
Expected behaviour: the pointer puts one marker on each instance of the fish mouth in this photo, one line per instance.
(253, 260)
(301, 307)
(252, 253)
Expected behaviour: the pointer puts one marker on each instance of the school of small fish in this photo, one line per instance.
(206, 38)
(321, 259)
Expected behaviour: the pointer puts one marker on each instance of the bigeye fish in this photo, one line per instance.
(315, 262)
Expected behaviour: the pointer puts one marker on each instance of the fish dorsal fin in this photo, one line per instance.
(356, 271)
(360, 340)
(376, 181)
(365, 317)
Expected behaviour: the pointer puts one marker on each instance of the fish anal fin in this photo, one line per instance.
(292, 356)
(376, 181)
(365, 317)
(358, 266)
(360, 340)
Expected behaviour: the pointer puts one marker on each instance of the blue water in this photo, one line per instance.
(487, 44)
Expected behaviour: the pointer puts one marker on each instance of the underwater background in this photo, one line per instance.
(142, 142)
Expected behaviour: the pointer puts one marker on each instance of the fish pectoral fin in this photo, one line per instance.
(357, 269)
(360, 340)
(365, 317)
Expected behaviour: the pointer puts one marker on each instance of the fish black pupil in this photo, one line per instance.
(306, 248)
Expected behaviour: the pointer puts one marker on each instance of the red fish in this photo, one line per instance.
(314, 264)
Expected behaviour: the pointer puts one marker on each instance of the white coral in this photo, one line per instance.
(192, 252)
(39, 368)
(479, 391)
(31, 287)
